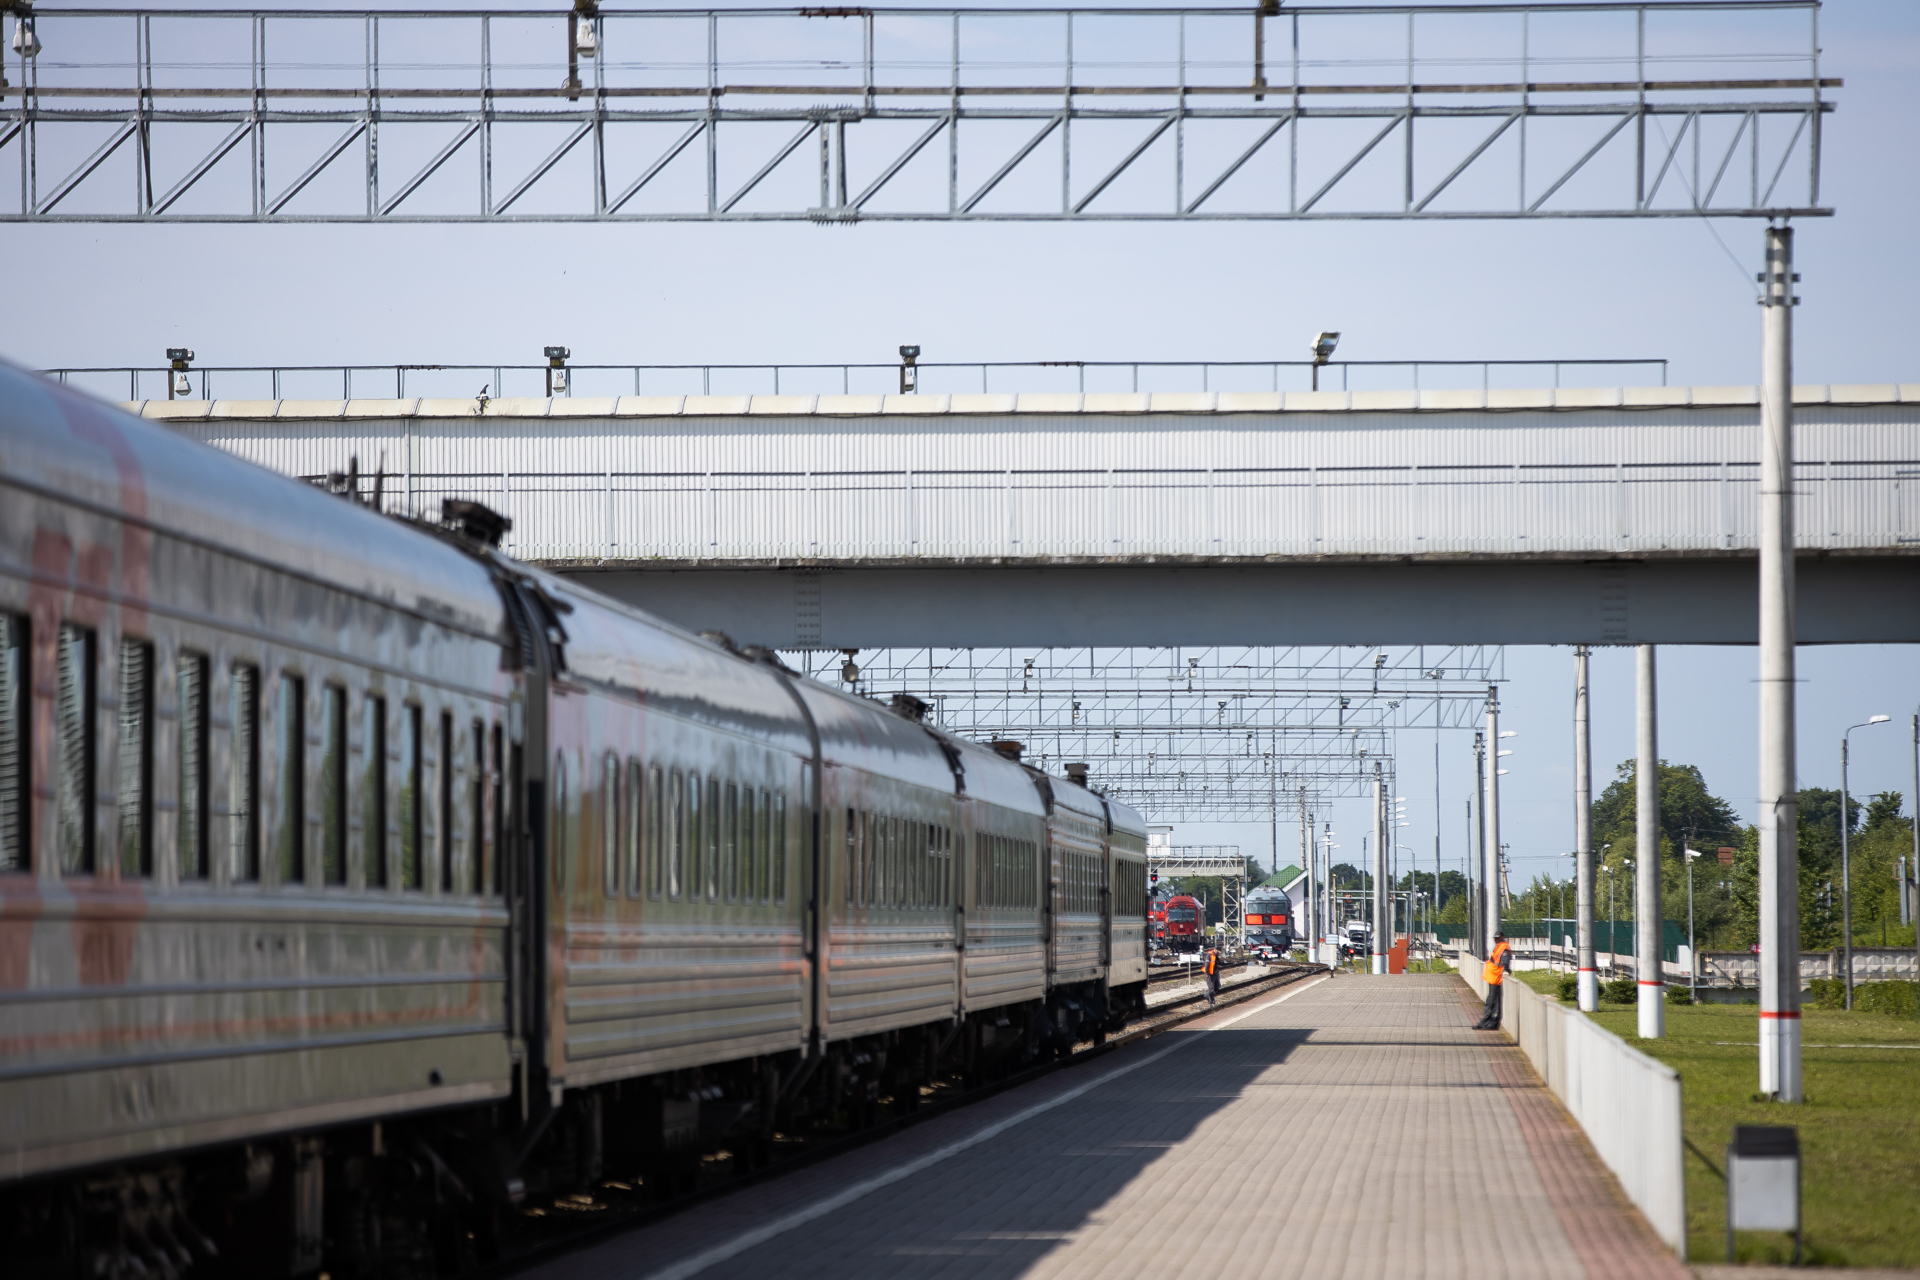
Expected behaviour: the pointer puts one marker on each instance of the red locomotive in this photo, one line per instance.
(1178, 923)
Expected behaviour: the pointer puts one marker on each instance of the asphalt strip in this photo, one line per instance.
(694, 1265)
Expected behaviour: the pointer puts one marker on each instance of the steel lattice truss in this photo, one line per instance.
(844, 114)
(1189, 734)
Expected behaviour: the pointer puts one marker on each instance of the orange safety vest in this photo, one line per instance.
(1213, 959)
(1495, 975)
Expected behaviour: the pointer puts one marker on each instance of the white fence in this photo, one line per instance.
(1628, 1104)
(1870, 964)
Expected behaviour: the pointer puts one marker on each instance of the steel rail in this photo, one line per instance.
(637, 1213)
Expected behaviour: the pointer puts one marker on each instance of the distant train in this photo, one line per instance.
(1269, 920)
(1180, 923)
(358, 882)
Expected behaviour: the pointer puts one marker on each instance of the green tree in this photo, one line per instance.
(1880, 840)
(1691, 816)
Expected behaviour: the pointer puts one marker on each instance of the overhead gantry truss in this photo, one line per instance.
(1206, 733)
(848, 114)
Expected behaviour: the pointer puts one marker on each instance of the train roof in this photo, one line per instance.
(62, 442)
(616, 645)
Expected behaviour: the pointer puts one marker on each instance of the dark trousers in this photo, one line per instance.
(1491, 1022)
(1213, 986)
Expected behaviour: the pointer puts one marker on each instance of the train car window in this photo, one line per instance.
(853, 857)
(633, 821)
(710, 843)
(561, 850)
(135, 797)
(748, 867)
(858, 871)
(780, 840)
(244, 820)
(610, 825)
(479, 834)
(656, 840)
(75, 790)
(291, 791)
(730, 844)
(495, 875)
(902, 861)
(690, 839)
(190, 685)
(887, 877)
(333, 785)
(917, 863)
(373, 794)
(763, 849)
(14, 775)
(446, 763)
(897, 856)
(674, 847)
(863, 848)
(411, 821)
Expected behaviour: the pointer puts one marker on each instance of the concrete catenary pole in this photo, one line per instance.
(1308, 916)
(1382, 908)
(1646, 821)
(1779, 799)
(1329, 950)
(1490, 818)
(1588, 981)
(1477, 852)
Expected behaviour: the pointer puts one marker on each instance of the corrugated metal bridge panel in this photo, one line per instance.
(1044, 478)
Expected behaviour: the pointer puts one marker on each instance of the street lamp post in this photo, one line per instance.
(1693, 952)
(1846, 879)
(1626, 864)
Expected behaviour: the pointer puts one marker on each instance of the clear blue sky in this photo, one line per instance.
(110, 295)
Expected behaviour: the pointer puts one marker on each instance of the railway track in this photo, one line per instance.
(564, 1224)
(1190, 973)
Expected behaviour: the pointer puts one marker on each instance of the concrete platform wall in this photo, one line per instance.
(1628, 1104)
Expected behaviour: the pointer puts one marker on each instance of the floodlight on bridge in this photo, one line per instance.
(1323, 345)
(179, 359)
(26, 42)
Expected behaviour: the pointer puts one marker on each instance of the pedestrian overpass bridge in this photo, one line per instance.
(1598, 516)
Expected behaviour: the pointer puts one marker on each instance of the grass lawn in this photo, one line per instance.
(1859, 1128)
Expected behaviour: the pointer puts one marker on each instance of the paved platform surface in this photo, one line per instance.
(1352, 1126)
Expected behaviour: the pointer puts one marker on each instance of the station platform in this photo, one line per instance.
(1349, 1126)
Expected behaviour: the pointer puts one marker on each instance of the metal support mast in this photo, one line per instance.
(1382, 904)
(1310, 916)
(1588, 981)
(1490, 826)
(1646, 902)
(1779, 799)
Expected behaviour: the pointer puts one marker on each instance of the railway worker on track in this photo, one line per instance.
(1499, 964)
(1213, 976)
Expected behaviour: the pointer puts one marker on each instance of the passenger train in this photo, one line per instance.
(358, 882)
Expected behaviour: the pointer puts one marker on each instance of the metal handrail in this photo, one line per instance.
(395, 375)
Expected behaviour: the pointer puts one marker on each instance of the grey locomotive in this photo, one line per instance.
(358, 881)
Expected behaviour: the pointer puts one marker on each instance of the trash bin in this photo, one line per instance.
(1763, 1182)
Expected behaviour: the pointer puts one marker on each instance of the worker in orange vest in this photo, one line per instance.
(1213, 976)
(1499, 964)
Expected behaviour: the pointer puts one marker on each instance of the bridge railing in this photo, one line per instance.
(1230, 513)
(284, 382)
